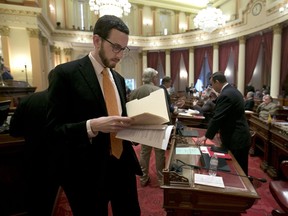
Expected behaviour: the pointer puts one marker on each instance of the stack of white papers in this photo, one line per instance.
(215, 181)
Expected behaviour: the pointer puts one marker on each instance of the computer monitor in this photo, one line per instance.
(4, 111)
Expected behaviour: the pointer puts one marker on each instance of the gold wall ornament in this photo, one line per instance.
(34, 33)
(4, 31)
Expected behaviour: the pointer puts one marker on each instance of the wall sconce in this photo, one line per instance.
(147, 22)
(165, 32)
(183, 27)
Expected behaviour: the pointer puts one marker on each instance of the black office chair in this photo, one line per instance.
(279, 190)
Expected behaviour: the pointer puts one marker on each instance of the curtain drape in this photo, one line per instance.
(267, 45)
(163, 60)
(251, 56)
(284, 58)
(152, 59)
(199, 55)
(175, 62)
(224, 53)
(235, 52)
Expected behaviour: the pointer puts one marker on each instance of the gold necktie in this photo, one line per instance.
(112, 108)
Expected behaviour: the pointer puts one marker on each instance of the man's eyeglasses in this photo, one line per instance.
(116, 48)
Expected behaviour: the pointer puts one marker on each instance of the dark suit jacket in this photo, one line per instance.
(229, 119)
(75, 96)
(171, 107)
(29, 120)
(249, 104)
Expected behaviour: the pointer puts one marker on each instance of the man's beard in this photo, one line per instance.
(104, 60)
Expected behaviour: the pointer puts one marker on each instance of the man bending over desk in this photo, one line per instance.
(229, 120)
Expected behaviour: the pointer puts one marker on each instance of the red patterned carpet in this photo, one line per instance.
(151, 197)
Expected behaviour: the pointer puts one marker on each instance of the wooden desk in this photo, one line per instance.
(184, 198)
(261, 138)
(279, 149)
(14, 93)
(189, 120)
(12, 184)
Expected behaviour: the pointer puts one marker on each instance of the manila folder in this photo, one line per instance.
(150, 110)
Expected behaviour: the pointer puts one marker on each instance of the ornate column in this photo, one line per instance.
(187, 20)
(144, 60)
(192, 66)
(36, 58)
(141, 32)
(46, 65)
(5, 32)
(241, 66)
(177, 22)
(153, 20)
(215, 58)
(57, 51)
(167, 63)
(276, 58)
(68, 54)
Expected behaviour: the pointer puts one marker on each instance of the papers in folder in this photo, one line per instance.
(149, 114)
(152, 135)
(150, 110)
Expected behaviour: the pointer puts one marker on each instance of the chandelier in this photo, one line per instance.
(110, 7)
(209, 19)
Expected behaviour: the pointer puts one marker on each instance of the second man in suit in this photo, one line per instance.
(229, 120)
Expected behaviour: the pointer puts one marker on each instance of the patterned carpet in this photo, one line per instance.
(151, 197)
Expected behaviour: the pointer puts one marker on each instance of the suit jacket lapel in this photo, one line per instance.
(90, 77)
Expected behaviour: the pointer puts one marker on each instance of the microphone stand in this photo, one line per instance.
(178, 168)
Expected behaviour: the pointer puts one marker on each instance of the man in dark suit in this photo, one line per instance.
(165, 84)
(29, 120)
(229, 120)
(79, 125)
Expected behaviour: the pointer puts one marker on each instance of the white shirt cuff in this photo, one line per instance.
(90, 133)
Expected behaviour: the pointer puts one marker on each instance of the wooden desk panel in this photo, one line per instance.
(182, 197)
(261, 138)
(191, 121)
(279, 147)
(14, 93)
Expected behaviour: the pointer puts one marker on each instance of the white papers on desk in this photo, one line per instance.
(152, 135)
(214, 181)
(188, 151)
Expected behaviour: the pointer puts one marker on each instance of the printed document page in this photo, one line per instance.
(152, 135)
(215, 181)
